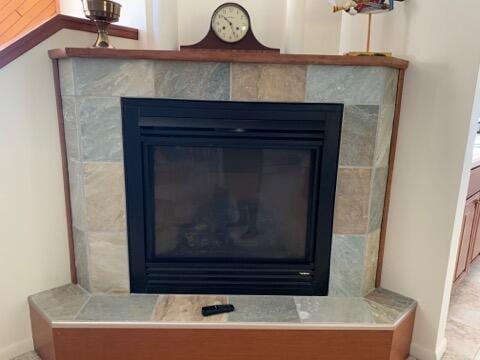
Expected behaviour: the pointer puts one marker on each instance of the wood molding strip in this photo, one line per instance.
(231, 56)
(27, 41)
(66, 182)
(391, 162)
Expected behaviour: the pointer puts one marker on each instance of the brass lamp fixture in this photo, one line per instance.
(103, 13)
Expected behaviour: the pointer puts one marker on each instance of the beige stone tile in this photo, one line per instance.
(371, 260)
(465, 303)
(105, 196)
(351, 202)
(252, 82)
(108, 262)
(185, 308)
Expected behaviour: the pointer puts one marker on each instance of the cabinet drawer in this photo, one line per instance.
(474, 184)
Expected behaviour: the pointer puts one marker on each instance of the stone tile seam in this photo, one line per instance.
(123, 232)
(369, 213)
(88, 97)
(377, 133)
(353, 167)
(105, 162)
(74, 73)
(102, 162)
(230, 81)
(155, 307)
(79, 130)
(82, 307)
(359, 235)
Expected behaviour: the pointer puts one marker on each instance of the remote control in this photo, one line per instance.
(217, 309)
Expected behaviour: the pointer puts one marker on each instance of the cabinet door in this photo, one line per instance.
(475, 242)
(465, 237)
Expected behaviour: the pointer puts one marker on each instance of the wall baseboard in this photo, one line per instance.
(16, 349)
(422, 353)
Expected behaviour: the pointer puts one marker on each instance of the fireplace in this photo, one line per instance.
(230, 197)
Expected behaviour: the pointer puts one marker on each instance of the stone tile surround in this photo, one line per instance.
(72, 304)
(91, 91)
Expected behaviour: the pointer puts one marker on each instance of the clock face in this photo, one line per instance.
(230, 22)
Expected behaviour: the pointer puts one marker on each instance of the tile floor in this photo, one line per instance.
(463, 326)
(28, 356)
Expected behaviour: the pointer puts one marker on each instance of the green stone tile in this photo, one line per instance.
(113, 77)
(347, 265)
(192, 80)
(61, 303)
(263, 309)
(118, 308)
(359, 130)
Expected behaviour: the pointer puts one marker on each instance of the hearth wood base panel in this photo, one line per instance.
(125, 343)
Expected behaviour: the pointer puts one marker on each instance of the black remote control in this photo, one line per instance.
(217, 309)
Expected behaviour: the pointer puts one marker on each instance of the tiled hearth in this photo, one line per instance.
(70, 305)
(91, 90)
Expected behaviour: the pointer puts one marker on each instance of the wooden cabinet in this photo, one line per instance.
(469, 245)
(475, 244)
(467, 234)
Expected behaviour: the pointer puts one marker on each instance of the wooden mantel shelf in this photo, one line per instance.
(230, 56)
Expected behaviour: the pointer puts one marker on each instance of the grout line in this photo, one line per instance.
(83, 306)
(355, 167)
(155, 307)
(230, 91)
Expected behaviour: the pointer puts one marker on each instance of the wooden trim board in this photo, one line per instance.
(391, 162)
(42, 334)
(67, 343)
(46, 29)
(241, 56)
(66, 178)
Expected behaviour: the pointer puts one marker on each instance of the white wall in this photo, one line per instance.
(294, 26)
(433, 153)
(165, 24)
(33, 233)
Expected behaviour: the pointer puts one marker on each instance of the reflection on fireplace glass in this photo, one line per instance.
(231, 202)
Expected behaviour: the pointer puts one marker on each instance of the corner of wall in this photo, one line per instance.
(423, 353)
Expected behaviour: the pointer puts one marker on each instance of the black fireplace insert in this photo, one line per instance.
(230, 197)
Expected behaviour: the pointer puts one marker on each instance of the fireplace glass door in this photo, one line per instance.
(231, 203)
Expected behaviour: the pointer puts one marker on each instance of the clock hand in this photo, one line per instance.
(231, 24)
(226, 19)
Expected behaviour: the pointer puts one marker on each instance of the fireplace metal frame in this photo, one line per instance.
(158, 122)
